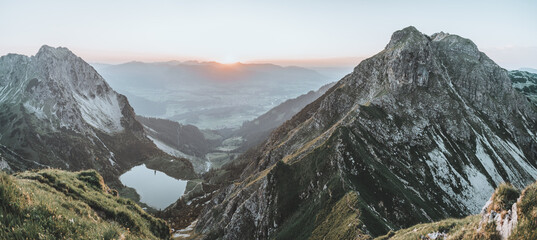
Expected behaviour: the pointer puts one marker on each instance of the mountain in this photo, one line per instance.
(56, 204)
(526, 83)
(256, 131)
(530, 70)
(424, 130)
(186, 138)
(185, 141)
(57, 111)
(209, 95)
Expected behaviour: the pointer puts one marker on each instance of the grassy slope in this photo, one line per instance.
(455, 227)
(527, 211)
(55, 204)
(342, 222)
(468, 228)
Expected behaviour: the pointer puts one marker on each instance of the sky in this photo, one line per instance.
(307, 33)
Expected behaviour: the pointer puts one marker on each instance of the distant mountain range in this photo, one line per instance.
(530, 70)
(209, 95)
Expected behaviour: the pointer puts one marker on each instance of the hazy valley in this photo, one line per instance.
(209, 95)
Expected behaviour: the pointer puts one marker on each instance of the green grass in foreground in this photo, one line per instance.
(468, 228)
(456, 228)
(55, 204)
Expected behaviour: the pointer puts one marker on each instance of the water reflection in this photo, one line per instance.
(155, 188)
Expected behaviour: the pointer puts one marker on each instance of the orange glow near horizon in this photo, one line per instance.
(312, 34)
(123, 57)
(119, 57)
(228, 60)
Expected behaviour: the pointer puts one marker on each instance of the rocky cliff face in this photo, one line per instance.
(57, 111)
(425, 129)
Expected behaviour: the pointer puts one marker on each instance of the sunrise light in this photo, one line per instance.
(228, 60)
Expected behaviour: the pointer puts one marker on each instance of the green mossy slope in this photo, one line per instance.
(55, 204)
(469, 228)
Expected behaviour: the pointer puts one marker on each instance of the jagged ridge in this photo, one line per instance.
(422, 131)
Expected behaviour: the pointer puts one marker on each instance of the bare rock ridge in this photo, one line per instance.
(423, 130)
(57, 111)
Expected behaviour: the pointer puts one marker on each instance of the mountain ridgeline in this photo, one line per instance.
(257, 130)
(208, 95)
(186, 138)
(57, 111)
(424, 130)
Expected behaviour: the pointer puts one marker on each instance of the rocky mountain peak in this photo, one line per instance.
(413, 60)
(439, 36)
(61, 86)
(59, 53)
(57, 111)
(409, 36)
(457, 44)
